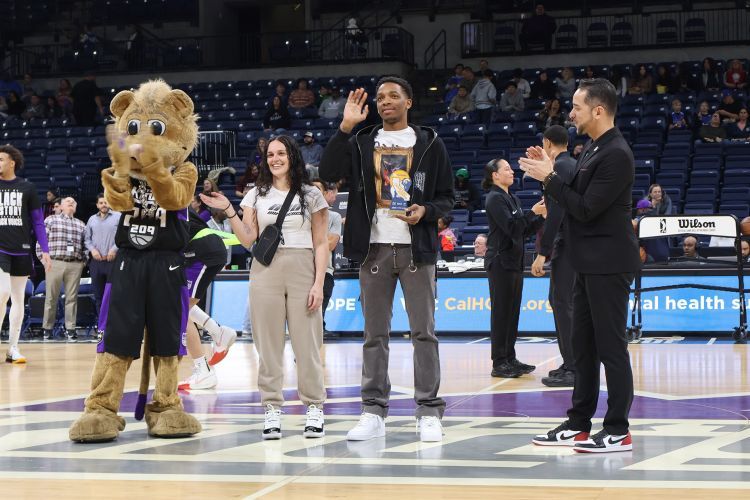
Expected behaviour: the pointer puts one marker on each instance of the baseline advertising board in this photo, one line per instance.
(463, 305)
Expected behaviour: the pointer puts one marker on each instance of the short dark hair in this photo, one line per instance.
(511, 84)
(100, 196)
(15, 155)
(600, 92)
(557, 135)
(398, 81)
(488, 73)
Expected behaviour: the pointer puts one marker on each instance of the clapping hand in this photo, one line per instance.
(537, 163)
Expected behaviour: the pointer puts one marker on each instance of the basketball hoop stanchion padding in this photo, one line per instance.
(662, 226)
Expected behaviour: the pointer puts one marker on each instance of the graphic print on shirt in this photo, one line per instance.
(147, 217)
(392, 180)
(11, 208)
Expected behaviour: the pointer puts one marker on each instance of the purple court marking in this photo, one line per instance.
(552, 404)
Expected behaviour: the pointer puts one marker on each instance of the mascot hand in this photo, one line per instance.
(118, 152)
(148, 151)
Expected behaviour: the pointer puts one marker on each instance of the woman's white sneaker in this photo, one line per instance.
(14, 356)
(272, 423)
(314, 426)
(203, 377)
(369, 426)
(430, 429)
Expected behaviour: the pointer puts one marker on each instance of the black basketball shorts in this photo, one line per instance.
(16, 265)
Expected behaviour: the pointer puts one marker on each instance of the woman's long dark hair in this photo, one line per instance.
(298, 176)
(489, 169)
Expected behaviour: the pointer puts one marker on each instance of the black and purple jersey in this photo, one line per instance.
(20, 210)
(150, 227)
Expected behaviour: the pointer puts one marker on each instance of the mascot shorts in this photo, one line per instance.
(145, 289)
(199, 277)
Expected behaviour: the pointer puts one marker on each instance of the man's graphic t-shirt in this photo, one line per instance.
(296, 231)
(18, 205)
(393, 157)
(150, 227)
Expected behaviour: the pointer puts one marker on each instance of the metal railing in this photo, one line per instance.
(437, 47)
(237, 51)
(613, 32)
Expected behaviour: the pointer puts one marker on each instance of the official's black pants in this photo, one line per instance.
(327, 292)
(562, 279)
(506, 288)
(600, 308)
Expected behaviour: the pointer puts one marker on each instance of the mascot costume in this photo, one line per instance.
(152, 184)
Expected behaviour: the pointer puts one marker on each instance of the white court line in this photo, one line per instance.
(478, 340)
(270, 489)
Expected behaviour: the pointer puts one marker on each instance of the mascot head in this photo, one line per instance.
(155, 116)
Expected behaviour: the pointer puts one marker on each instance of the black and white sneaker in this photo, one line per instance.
(604, 442)
(315, 422)
(272, 423)
(71, 335)
(562, 435)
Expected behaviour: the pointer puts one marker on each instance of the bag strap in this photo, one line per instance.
(284, 209)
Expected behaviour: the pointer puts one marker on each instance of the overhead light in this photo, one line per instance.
(433, 89)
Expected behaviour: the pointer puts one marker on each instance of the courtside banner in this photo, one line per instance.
(463, 305)
(653, 226)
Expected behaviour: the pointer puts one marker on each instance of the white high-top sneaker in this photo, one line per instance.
(369, 426)
(220, 346)
(315, 422)
(272, 423)
(203, 377)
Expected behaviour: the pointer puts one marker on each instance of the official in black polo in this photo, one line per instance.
(509, 227)
(552, 249)
(604, 254)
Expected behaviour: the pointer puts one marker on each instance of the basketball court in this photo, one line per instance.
(689, 422)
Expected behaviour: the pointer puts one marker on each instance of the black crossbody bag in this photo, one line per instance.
(265, 247)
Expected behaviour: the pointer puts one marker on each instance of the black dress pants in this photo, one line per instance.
(600, 308)
(506, 288)
(562, 279)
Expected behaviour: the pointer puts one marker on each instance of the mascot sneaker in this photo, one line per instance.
(14, 356)
(604, 442)
(272, 423)
(562, 435)
(203, 377)
(315, 422)
(220, 347)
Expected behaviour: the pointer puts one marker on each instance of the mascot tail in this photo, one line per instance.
(140, 407)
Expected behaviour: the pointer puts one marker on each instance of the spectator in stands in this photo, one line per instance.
(68, 253)
(484, 97)
(53, 109)
(451, 86)
(219, 222)
(324, 92)
(739, 130)
(248, 179)
(469, 78)
(577, 150)
(543, 87)
(277, 118)
(87, 101)
(302, 96)
(448, 240)
(333, 107)
(709, 77)
(735, 77)
(484, 65)
(683, 79)
(8, 85)
(49, 202)
(523, 86)
(690, 247)
(356, 39)
(677, 119)
(703, 115)
(466, 194)
(480, 245)
(281, 93)
(35, 109)
(461, 103)
(713, 132)
(511, 100)
(659, 202)
(16, 107)
(100, 244)
(619, 79)
(56, 208)
(63, 95)
(28, 87)
(87, 39)
(330, 192)
(134, 48)
(664, 80)
(653, 249)
(566, 84)
(538, 29)
(642, 81)
(589, 73)
(745, 248)
(550, 115)
(311, 153)
(729, 108)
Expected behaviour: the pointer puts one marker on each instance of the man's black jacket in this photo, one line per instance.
(598, 226)
(351, 156)
(552, 237)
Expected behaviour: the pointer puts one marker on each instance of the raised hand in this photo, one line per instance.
(536, 168)
(355, 110)
(215, 200)
(535, 152)
(117, 150)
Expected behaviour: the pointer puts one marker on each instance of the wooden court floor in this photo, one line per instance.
(689, 421)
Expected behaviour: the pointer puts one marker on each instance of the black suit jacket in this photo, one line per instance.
(552, 237)
(598, 227)
(509, 227)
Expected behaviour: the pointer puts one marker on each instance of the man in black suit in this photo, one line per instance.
(603, 251)
(552, 248)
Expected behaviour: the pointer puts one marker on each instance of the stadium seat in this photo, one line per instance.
(622, 34)
(695, 30)
(567, 37)
(597, 35)
(667, 31)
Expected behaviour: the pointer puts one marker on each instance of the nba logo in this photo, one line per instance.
(662, 226)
